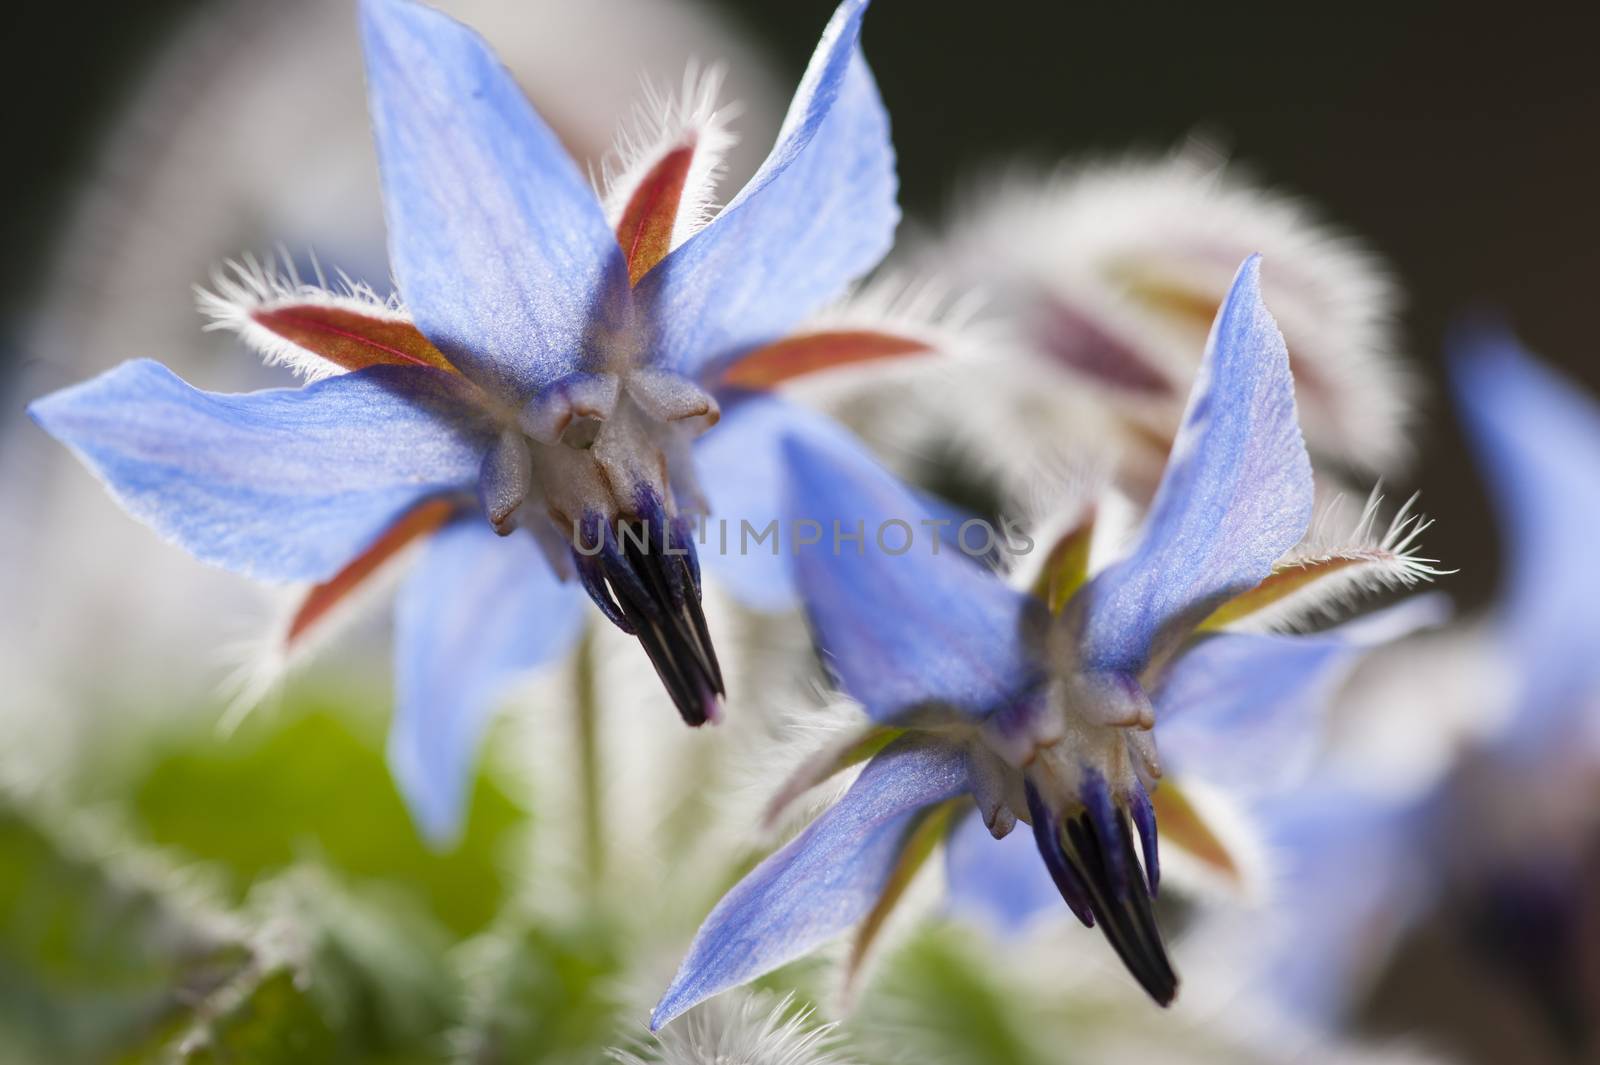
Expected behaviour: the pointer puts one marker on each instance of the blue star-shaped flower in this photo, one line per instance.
(1045, 710)
(548, 380)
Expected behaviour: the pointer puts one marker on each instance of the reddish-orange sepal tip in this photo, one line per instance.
(418, 522)
(349, 338)
(1185, 827)
(645, 230)
(813, 352)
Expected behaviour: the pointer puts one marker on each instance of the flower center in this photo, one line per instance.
(599, 471)
(1085, 758)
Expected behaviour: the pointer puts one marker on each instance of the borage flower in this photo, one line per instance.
(1038, 706)
(548, 375)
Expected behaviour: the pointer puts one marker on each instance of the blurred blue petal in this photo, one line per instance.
(902, 630)
(1246, 711)
(1236, 494)
(1348, 877)
(742, 465)
(1538, 439)
(478, 611)
(287, 484)
(818, 214)
(1000, 883)
(825, 880)
(500, 246)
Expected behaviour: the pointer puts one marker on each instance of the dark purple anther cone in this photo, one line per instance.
(645, 578)
(1091, 857)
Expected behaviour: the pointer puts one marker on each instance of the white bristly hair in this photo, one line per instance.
(243, 287)
(664, 121)
(903, 407)
(1362, 561)
(261, 660)
(741, 1028)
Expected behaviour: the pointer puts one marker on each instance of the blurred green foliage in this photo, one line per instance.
(92, 955)
(552, 995)
(263, 898)
(309, 783)
(258, 898)
(933, 999)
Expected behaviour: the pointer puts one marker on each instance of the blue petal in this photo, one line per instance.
(740, 464)
(1247, 711)
(499, 245)
(1348, 875)
(823, 881)
(902, 630)
(478, 611)
(1236, 494)
(999, 883)
(1538, 438)
(818, 214)
(288, 484)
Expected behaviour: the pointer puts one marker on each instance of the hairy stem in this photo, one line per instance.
(588, 711)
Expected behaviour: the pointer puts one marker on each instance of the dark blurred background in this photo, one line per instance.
(1458, 140)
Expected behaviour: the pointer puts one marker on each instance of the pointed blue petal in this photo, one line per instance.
(1235, 496)
(822, 882)
(901, 630)
(288, 484)
(818, 215)
(499, 245)
(1246, 711)
(478, 612)
(740, 464)
(1538, 439)
(1001, 884)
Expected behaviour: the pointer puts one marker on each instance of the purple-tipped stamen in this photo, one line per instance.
(650, 592)
(1090, 856)
(1144, 819)
(595, 541)
(1047, 835)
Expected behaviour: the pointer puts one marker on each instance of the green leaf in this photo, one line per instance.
(309, 781)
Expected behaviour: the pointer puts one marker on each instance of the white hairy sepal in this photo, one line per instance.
(742, 1026)
(904, 406)
(1366, 559)
(262, 659)
(921, 306)
(662, 123)
(243, 288)
(1099, 238)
